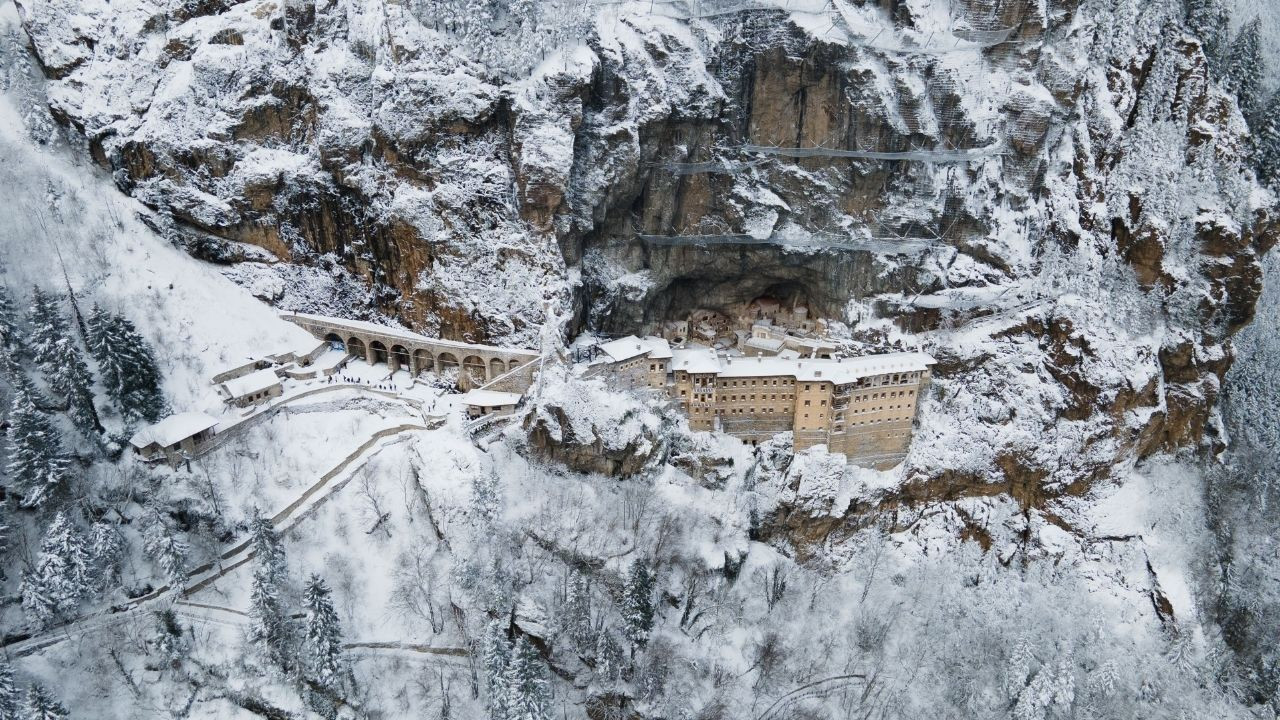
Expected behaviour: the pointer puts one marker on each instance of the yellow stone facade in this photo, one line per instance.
(865, 412)
(862, 407)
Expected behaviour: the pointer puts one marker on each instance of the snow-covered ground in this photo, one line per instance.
(64, 220)
(802, 588)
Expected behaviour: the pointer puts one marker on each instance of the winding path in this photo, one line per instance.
(230, 559)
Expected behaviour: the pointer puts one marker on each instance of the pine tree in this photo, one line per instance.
(637, 603)
(42, 705)
(106, 547)
(528, 689)
(268, 551)
(10, 697)
(486, 498)
(577, 613)
(159, 543)
(1208, 20)
(497, 658)
(48, 328)
(608, 660)
(10, 330)
(38, 464)
(173, 643)
(323, 636)
(16, 377)
(1267, 143)
(127, 366)
(59, 581)
(1246, 69)
(71, 379)
(109, 370)
(270, 631)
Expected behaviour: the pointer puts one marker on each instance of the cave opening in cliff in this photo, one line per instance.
(728, 300)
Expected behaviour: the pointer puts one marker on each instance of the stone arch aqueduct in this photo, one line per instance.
(402, 349)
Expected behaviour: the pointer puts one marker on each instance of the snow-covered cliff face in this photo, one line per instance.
(1079, 273)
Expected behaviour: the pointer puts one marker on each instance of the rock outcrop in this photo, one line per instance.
(1044, 152)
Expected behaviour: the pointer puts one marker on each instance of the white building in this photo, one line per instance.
(251, 389)
(174, 435)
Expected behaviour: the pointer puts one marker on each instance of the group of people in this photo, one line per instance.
(362, 381)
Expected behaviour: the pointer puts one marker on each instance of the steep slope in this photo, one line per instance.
(1065, 217)
(65, 225)
(1036, 556)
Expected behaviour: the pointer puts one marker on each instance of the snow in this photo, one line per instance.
(254, 382)
(57, 197)
(834, 370)
(874, 562)
(489, 398)
(410, 336)
(631, 346)
(172, 429)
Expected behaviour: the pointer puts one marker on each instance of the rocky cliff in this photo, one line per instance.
(1050, 196)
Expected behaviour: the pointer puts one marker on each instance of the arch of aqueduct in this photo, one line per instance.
(402, 349)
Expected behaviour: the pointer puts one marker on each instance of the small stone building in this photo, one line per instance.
(489, 402)
(643, 361)
(174, 436)
(252, 389)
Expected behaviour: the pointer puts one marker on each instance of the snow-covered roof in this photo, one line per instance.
(695, 360)
(330, 359)
(835, 370)
(251, 383)
(771, 344)
(632, 346)
(815, 343)
(172, 429)
(489, 398)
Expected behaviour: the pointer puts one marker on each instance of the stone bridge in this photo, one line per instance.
(404, 350)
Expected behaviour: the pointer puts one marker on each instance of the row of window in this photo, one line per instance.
(880, 395)
(775, 382)
(882, 408)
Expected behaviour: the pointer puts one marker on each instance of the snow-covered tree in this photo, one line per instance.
(271, 630)
(486, 498)
(1053, 687)
(70, 378)
(38, 463)
(10, 697)
(171, 640)
(1266, 156)
(1246, 70)
(160, 544)
(49, 327)
(268, 551)
(1208, 21)
(637, 603)
(127, 366)
(15, 375)
(106, 547)
(323, 639)
(60, 577)
(497, 658)
(42, 705)
(608, 660)
(10, 329)
(576, 616)
(528, 688)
